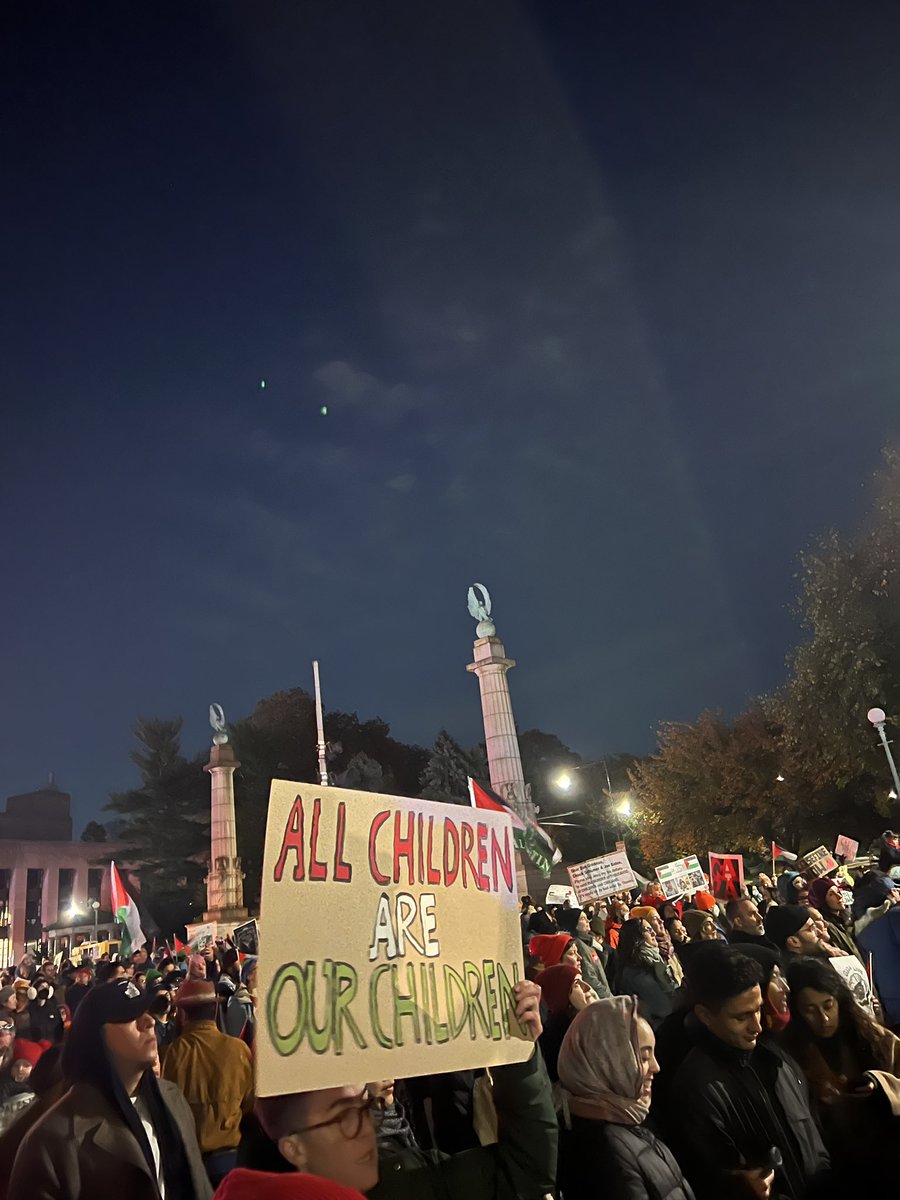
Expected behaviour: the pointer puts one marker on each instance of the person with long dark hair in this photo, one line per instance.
(116, 1121)
(643, 973)
(851, 1065)
(826, 897)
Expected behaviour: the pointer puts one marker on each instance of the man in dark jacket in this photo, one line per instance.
(575, 922)
(76, 992)
(736, 1107)
(746, 924)
(331, 1133)
(116, 1131)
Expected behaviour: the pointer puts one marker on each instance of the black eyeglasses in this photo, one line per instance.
(350, 1121)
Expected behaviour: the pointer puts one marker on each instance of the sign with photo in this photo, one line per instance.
(559, 893)
(682, 877)
(392, 939)
(599, 877)
(726, 876)
(203, 936)
(246, 937)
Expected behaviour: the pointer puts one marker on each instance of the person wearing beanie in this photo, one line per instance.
(331, 1133)
(16, 1091)
(654, 918)
(574, 921)
(737, 1107)
(563, 994)
(215, 1074)
(116, 1123)
(826, 896)
(792, 928)
(552, 948)
(76, 992)
(242, 1184)
(700, 925)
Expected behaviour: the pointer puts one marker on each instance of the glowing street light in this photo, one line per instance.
(564, 781)
(623, 808)
(779, 778)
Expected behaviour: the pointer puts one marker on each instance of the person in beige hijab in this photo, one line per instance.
(606, 1068)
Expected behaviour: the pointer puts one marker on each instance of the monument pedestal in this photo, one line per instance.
(225, 881)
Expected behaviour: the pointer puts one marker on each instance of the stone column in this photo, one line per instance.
(50, 896)
(501, 742)
(225, 881)
(18, 887)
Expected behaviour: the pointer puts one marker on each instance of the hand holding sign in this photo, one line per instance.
(528, 1007)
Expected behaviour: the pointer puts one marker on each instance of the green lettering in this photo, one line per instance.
(286, 1043)
(454, 977)
(405, 1005)
(508, 1000)
(473, 974)
(344, 990)
(490, 995)
(319, 1036)
(380, 1036)
(441, 1032)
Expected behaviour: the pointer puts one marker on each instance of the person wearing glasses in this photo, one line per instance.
(332, 1133)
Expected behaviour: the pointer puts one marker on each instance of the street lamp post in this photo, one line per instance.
(95, 905)
(877, 717)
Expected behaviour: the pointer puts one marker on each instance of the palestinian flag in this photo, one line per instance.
(528, 836)
(777, 852)
(126, 914)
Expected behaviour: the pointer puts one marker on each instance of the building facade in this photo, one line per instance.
(46, 878)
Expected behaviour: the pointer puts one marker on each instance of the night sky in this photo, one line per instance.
(601, 299)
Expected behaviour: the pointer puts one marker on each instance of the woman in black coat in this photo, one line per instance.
(606, 1068)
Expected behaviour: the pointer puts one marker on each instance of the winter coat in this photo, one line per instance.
(882, 938)
(82, 1148)
(654, 986)
(240, 1015)
(520, 1166)
(215, 1074)
(726, 1108)
(618, 1162)
(592, 969)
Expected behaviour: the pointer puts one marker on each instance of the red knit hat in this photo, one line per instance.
(556, 985)
(241, 1184)
(550, 947)
(705, 901)
(30, 1051)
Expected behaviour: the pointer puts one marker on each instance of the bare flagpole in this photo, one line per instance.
(320, 729)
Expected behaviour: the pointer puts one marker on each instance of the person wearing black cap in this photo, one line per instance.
(117, 1131)
(792, 928)
(575, 922)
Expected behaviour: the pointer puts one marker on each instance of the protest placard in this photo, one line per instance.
(726, 875)
(854, 975)
(390, 941)
(599, 877)
(817, 862)
(845, 847)
(246, 937)
(682, 877)
(203, 936)
(559, 893)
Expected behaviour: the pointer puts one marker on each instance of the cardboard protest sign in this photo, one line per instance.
(203, 936)
(682, 877)
(390, 939)
(818, 862)
(599, 877)
(726, 875)
(246, 937)
(845, 847)
(558, 893)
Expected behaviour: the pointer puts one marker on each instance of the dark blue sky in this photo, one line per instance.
(602, 300)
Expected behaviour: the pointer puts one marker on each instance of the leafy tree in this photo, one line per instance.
(94, 832)
(362, 774)
(166, 823)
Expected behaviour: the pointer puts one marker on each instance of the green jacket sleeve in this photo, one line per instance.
(527, 1128)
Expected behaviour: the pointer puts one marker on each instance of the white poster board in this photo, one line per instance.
(599, 877)
(559, 893)
(854, 975)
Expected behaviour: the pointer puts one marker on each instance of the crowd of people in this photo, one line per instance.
(683, 1048)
